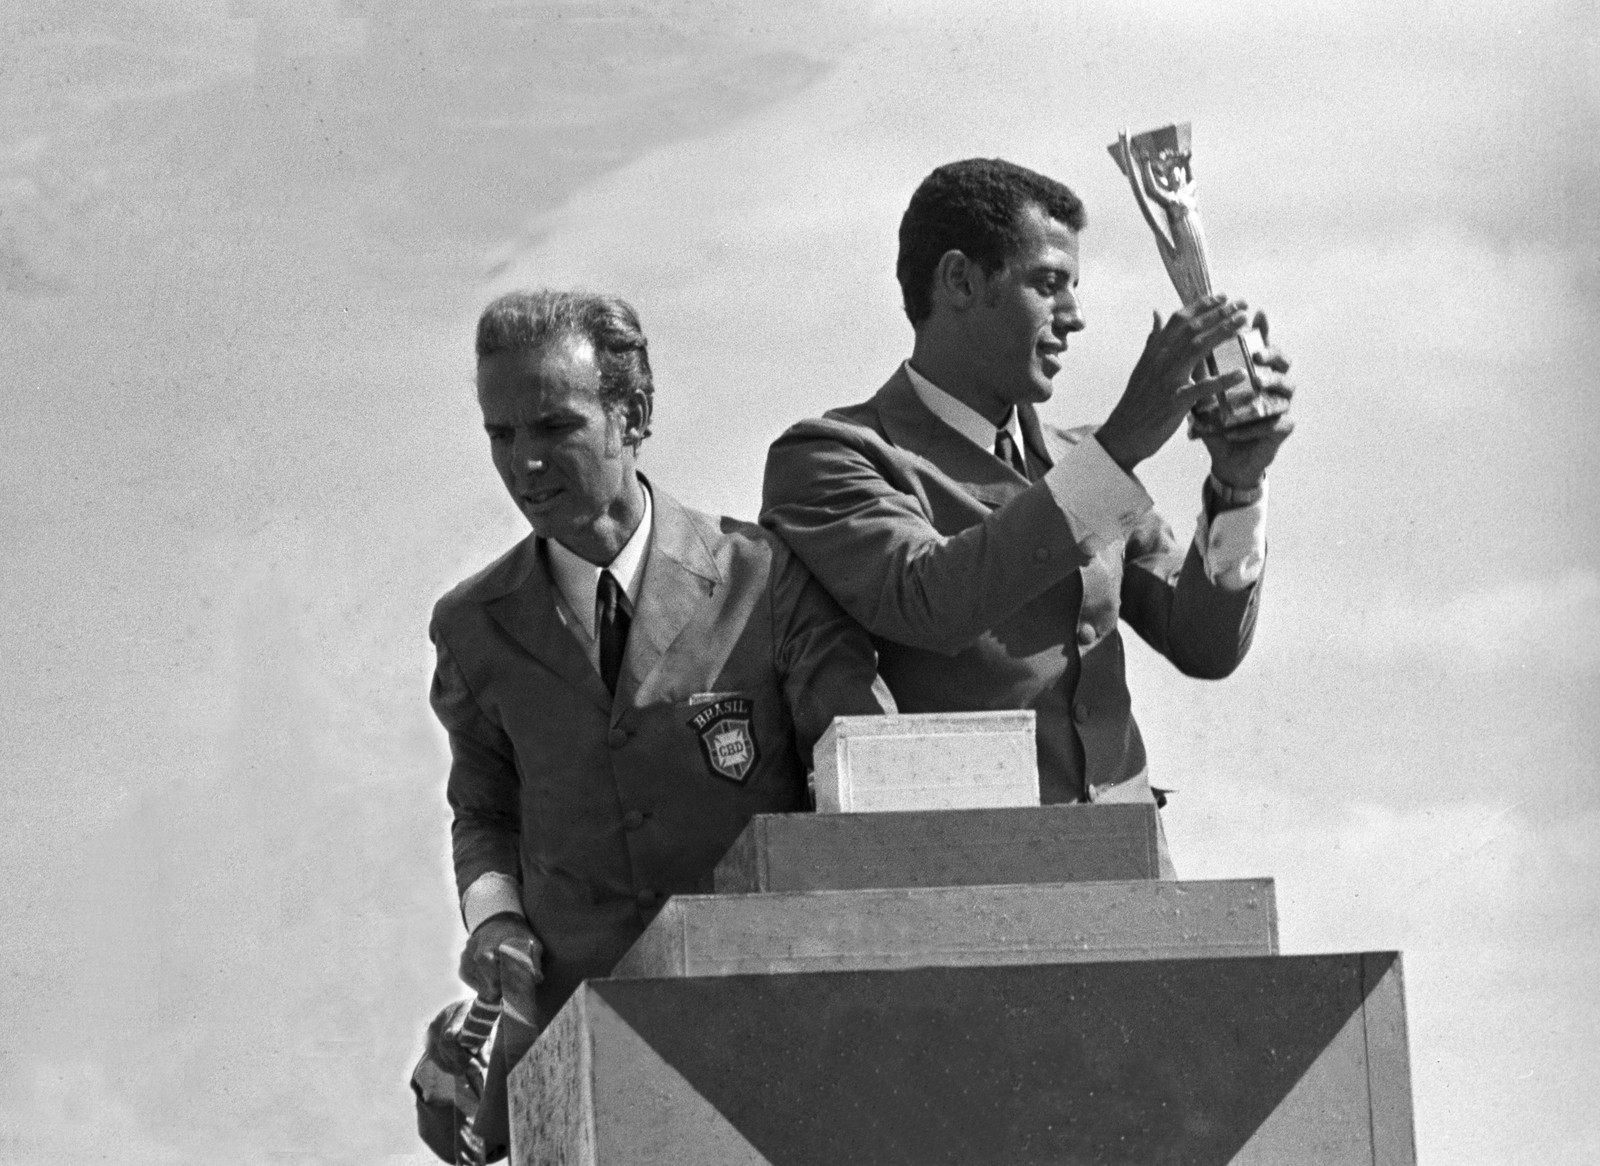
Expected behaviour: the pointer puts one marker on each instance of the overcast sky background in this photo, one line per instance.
(242, 246)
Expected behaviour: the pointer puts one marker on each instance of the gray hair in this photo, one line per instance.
(523, 320)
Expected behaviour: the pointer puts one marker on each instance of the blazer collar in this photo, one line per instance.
(680, 577)
(911, 426)
(526, 611)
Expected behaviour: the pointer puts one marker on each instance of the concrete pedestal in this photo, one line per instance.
(1233, 1062)
(809, 931)
(903, 982)
(942, 848)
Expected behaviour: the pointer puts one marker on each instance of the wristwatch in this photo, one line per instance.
(1234, 496)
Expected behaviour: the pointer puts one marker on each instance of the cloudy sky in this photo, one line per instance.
(241, 249)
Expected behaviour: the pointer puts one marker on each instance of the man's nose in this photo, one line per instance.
(1069, 314)
(527, 455)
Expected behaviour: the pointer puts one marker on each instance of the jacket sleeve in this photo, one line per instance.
(1203, 628)
(827, 663)
(858, 523)
(483, 790)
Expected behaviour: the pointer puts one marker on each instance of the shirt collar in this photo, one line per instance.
(578, 579)
(960, 416)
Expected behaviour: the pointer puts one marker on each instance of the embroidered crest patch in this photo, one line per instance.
(727, 738)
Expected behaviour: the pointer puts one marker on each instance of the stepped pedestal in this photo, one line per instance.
(983, 987)
(942, 848)
(816, 931)
(1281, 1061)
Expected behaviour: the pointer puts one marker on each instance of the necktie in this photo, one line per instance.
(1005, 448)
(611, 626)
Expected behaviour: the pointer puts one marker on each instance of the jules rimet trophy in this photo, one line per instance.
(1157, 166)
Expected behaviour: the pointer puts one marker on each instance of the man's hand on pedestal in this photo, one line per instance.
(1240, 456)
(480, 970)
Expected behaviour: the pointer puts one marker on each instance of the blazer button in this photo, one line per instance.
(1085, 634)
(1042, 555)
(617, 738)
(646, 898)
(633, 819)
(1080, 712)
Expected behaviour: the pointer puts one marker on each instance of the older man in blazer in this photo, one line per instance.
(631, 682)
(992, 557)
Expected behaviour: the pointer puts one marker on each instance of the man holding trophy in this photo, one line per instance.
(991, 557)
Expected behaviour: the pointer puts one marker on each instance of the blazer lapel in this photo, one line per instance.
(527, 613)
(909, 424)
(679, 578)
(1045, 444)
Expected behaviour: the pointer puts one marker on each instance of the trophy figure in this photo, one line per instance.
(1156, 165)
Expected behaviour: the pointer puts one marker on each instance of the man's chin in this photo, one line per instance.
(547, 525)
(575, 532)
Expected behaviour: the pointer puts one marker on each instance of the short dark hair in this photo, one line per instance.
(522, 320)
(974, 207)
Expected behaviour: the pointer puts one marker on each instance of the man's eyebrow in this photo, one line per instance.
(559, 413)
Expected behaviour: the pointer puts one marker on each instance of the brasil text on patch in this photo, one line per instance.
(727, 737)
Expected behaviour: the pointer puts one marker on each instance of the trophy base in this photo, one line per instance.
(1244, 403)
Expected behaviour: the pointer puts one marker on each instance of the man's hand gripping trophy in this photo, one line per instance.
(1241, 423)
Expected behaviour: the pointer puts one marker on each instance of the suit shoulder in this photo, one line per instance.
(847, 440)
(726, 536)
(748, 555)
(488, 583)
(858, 424)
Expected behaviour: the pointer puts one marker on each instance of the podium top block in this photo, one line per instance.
(927, 761)
(933, 724)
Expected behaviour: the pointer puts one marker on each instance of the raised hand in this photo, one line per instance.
(1161, 389)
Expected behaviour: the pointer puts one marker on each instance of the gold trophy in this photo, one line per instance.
(1156, 165)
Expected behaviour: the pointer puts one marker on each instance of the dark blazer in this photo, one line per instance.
(736, 662)
(977, 591)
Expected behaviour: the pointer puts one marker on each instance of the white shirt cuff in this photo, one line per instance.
(1103, 502)
(1233, 546)
(490, 894)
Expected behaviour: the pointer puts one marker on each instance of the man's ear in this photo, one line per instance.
(957, 280)
(635, 410)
